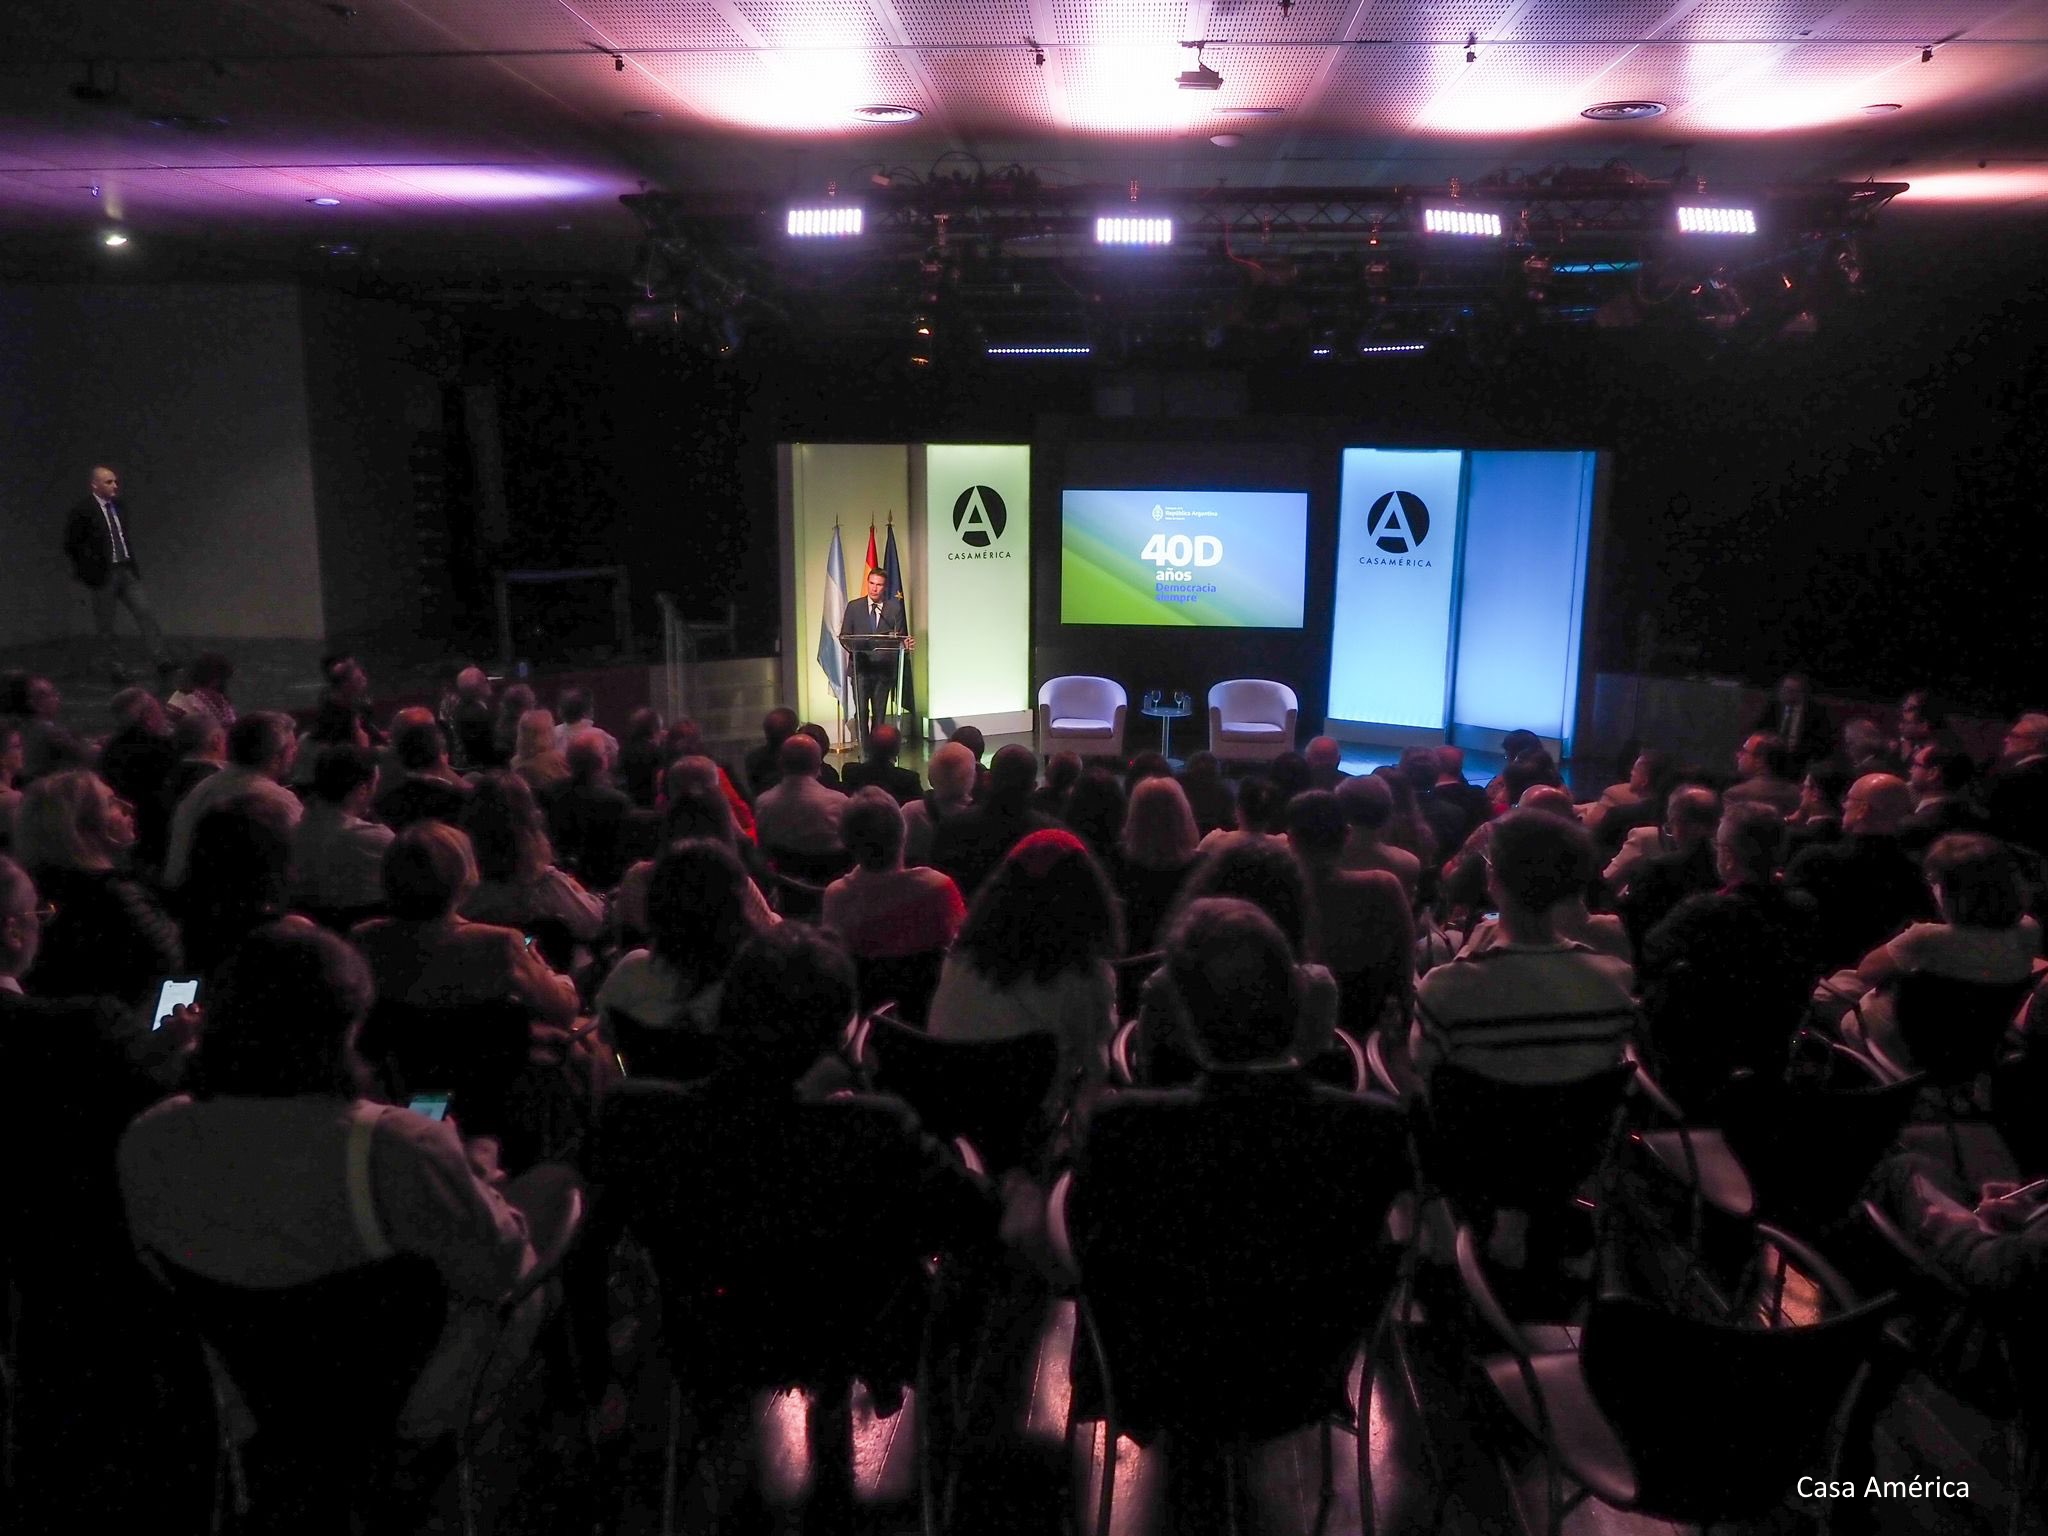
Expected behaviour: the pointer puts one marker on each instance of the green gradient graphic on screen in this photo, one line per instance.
(1183, 559)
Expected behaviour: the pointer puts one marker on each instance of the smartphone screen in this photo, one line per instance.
(433, 1105)
(174, 993)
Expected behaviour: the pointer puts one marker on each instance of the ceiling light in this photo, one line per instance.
(1926, 55)
(1471, 47)
(1118, 230)
(114, 239)
(324, 202)
(1048, 351)
(1246, 111)
(887, 112)
(1883, 108)
(1623, 111)
(1461, 221)
(1694, 220)
(1226, 140)
(1201, 77)
(841, 221)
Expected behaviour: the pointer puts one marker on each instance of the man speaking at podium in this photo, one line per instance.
(876, 637)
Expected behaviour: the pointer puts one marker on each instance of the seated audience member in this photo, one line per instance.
(518, 885)
(698, 916)
(1536, 1008)
(1996, 1248)
(2016, 791)
(764, 763)
(574, 711)
(879, 768)
(535, 757)
(879, 909)
(1922, 722)
(1408, 829)
(1804, 733)
(1325, 758)
(1512, 746)
(241, 879)
(799, 815)
(139, 756)
(1725, 977)
(424, 955)
(1095, 812)
(1449, 820)
(202, 746)
(1289, 773)
(1465, 887)
(514, 700)
(1146, 765)
(1033, 956)
(247, 1182)
(642, 757)
(1940, 778)
(1261, 816)
(1062, 772)
(1359, 925)
(1368, 805)
(1229, 976)
(952, 770)
(1153, 859)
(1763, 767)
(1980, 933)
(10, 779)
(205, 690)
(1267, 875)
(35, 708)
(425, 788)
(970, 845)
(1647, 841)
(1452, 786)
(1209, 793)
(1533, 768)
(1819, 817)
(261, 749)
(827, 774)
(694, 806)
(334, 725)
(685, 740)
(1867, 885)
(587, 816)
(348, 689)
(1641, 803)
(1685, 866)
(337, 852)
(109, 936)
(1865, 750)
(472, 723)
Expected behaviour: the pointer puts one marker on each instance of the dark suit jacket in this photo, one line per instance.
(1662, 883)
(970, 845)
(2017, 800)
(1814, 740)
(873, 655)
(1919, 831)
(88, 545)
(902, 783)
(586, 821)
(1868, 889)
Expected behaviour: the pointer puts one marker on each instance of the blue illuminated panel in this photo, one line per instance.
(1528, 521)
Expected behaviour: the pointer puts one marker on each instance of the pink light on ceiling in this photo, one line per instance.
(488, 183)
(1986, 185)
(791, 90)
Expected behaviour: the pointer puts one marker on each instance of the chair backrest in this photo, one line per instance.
(907, 981)
(993, 1092)
(324, 1367)
(1093, 698)
(1132, 972)
(1954, 1028)
(1252, 698)
(1483, 1141)
(474, 1053)
(677, 1055)
(1720, 1421)
(1809, 1147)
(1231, 1253)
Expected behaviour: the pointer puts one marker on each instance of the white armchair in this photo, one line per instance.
(1082, 714)
(1252, 720)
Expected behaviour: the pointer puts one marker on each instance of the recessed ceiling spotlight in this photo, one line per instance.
(114, 239)
(1883, 108)
(1226, 140)
(324, 202)
(1623, 111)
(1246, 111)
(887, 112)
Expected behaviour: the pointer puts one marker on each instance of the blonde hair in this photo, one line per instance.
(55, 820)
(1159, 829)
(536, 734)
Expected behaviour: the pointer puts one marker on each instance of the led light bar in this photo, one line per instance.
(1716, 221)
(1461, 221)
(1130, 231)
(839, 222)
(1384, 348)
(1053, 351)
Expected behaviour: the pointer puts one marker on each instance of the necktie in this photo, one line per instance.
(114, 534)
(876, 610)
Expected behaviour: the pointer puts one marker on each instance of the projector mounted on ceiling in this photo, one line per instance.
(1201, 77)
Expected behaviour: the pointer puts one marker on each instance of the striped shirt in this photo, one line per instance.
(1526, 1013)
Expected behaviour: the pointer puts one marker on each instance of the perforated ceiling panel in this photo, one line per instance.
(659, 23)
(1262, 21)
(1120, 22)
(1574, 21)
(812, 23)
(1386, 86)
(1917, 21)
(1429, 21)
(989, 22)
(990, 92)
(1748, 20)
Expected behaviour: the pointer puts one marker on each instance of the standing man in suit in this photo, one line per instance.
(103, 561)
(876, 637)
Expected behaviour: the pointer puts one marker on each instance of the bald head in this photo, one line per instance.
(1550, 800)
(2027, 736)
(1691, 814)
(1876, 804)
(1323, 754)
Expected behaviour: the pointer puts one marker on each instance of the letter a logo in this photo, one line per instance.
(1398, 522)
(979, 516)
